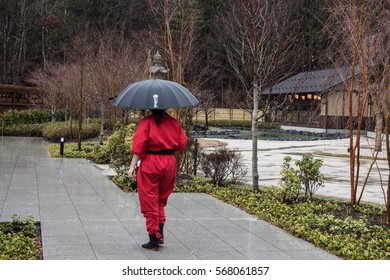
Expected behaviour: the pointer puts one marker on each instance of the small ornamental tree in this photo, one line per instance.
(221, 164)
(308, 178)
(289, 182)
(309, 174)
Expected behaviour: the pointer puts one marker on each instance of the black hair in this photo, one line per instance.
(158, 115)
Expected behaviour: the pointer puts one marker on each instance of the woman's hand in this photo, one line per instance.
(133, 165)
(131, 172)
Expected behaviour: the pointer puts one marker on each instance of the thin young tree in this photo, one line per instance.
(175, 35)
(359, 31)
(49, 82)
(259, 36)
(110, 69)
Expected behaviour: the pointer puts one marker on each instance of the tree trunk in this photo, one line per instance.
(102, 123)
(206, 119)
(80, 113)
(378, 128)
(255, 172)
(387, 200)
(351, 148)
(53, 114)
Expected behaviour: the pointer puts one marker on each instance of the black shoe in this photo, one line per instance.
(161, 239)
(153, 243)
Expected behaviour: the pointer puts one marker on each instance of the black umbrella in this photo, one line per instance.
(154, 94)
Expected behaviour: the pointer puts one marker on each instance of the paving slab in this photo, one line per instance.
(84, 216)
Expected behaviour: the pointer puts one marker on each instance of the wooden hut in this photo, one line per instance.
(318, 99)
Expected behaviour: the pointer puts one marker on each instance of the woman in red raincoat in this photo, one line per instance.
(156, 139)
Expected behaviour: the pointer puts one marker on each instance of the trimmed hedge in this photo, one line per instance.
(26, 130)
(54, 131)
(30, 116)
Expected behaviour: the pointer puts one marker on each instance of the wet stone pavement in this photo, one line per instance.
(84, 215)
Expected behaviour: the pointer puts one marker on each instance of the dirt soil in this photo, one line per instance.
(210, 143)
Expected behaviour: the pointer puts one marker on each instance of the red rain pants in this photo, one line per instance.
(155, 179)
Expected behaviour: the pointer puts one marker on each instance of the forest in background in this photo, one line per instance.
(44, 34)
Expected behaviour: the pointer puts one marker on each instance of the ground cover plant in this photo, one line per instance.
(88, 150)
(20, 239)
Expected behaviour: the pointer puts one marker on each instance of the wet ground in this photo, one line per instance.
(85, 216)
(335, 168)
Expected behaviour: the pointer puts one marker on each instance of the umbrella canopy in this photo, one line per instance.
(154, 94)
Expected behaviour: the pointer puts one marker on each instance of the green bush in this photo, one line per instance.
(71, 150)
(116, 151)
(57, 130)
(310, 176)
(119, 146)
(18, 240)
(289, 183)
(101, 154)
(123, 181)
(26, 130)
(307, 177)
(31, 116)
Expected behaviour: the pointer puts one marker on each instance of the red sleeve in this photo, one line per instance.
(141, 138)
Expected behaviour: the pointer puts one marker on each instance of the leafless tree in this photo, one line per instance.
(259, 39)
(111, 68)
(49, 82)
(360, 32)
(176, 35)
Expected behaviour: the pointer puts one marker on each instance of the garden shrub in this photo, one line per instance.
(31, 116)
(222, 163)
(289, 185)
(118, 147)
(57, 130)
(18, 240)
(26, 130)
(307, 177)
(123, 181)
(71, 150)
(310, 176)
(116, 151)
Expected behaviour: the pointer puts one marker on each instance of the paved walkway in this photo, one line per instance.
(84, 215)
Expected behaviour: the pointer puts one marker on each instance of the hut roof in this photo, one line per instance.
(313, 81)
